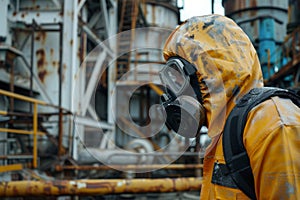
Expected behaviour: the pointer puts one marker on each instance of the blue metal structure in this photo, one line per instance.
(273, 28)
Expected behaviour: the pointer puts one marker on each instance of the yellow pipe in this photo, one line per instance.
(18, 131)
(130, 167)
(35, 124)
(21, 97)
(12, 167)
(156, 89)
(97, 187)
(3, 112)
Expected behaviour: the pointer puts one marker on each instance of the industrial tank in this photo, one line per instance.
(145, 60)
(264, 21)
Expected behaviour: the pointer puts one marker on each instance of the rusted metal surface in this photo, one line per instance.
(239, 7)
(161, 14)
(170, 5)
(242, 11)
(288, 69)
(264, 22)
(41, 64)
(96, 187)
(294, 15)
(287, 58)
(131, 167)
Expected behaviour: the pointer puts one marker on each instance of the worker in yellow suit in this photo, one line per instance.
(227, 67)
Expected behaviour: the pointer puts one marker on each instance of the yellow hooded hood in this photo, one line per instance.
(228, 66)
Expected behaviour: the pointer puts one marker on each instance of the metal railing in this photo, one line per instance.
(35, 132)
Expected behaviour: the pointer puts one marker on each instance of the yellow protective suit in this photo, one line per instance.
(228, 67)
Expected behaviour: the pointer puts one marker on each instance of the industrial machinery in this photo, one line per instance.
(78, 79)
(273, 28)
(79, 90)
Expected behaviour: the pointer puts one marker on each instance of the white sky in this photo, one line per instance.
(199, 7)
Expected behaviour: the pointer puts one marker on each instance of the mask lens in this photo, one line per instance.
(174, 78)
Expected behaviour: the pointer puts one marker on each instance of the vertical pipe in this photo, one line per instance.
(198, 172)
(35, 124)
(294, 42)
(31, 63)
(142, 105)
(148, 104)
(111, 101)
(11, 84)
(269, 61)
(267, 43)
(60, 133)
(60, 125)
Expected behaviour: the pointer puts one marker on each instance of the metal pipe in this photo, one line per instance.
(93, 37)
(11, 167)
(97, 187)
(60, 134)
(31, 100)
(35, 130)
(21, 97)
(60, 116)
(11, 85)
(156, 89)
(80, 5)
(19, 131)
(130, 167)
(31, 62)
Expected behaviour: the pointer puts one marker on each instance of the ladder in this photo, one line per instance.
(128, 21)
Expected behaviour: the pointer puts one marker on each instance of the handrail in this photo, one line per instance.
(34, 131)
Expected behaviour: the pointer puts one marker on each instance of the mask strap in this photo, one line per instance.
(195, 85)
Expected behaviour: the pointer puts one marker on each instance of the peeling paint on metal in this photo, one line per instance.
(41, 36)
(72, 183)
(23, 15)
(41, 64)
(81, 185)
(120, 183)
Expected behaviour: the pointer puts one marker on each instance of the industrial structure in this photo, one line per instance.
(273, 28)
(78, 78)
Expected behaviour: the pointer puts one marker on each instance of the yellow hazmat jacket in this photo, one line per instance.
(228, 67)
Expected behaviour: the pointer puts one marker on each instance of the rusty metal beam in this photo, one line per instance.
(284, 71)
(97, 187)
(131, 167)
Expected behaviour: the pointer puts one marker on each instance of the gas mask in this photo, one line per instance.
(182, 100)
